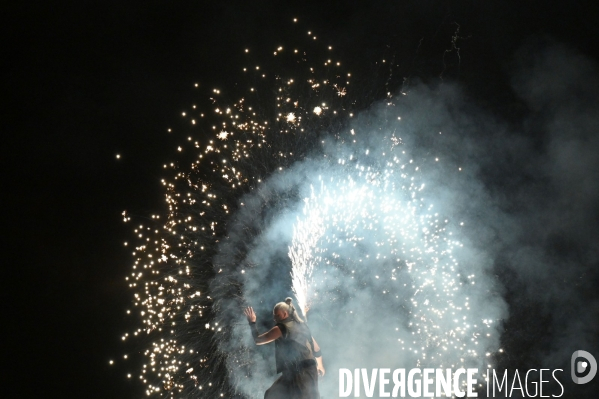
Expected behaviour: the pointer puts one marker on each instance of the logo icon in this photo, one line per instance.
(580, 367)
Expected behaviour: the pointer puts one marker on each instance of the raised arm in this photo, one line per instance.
(261, 339)
(318, 356)
(269, 336)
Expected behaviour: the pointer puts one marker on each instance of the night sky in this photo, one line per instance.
(84, 81)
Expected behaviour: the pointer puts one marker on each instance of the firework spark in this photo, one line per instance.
(290, 195)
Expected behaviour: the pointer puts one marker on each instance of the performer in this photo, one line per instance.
(297, 353)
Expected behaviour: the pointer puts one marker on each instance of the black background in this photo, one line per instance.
(83, 81)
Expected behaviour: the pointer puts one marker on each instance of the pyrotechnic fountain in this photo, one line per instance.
(299, 193)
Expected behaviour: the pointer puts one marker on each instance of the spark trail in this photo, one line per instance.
(299, 193)
(306, 234)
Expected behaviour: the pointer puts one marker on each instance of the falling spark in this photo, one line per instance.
(193, 263)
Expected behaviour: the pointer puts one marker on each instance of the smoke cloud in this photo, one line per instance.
(443, 229)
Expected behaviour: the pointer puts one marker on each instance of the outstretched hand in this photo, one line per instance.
(249, 313)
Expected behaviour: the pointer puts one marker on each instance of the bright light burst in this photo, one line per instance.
(306, 234)
(343, 201)
(381, 209)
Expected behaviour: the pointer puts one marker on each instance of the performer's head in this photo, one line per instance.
(284, 310)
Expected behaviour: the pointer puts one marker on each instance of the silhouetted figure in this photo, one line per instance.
(297, 353)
